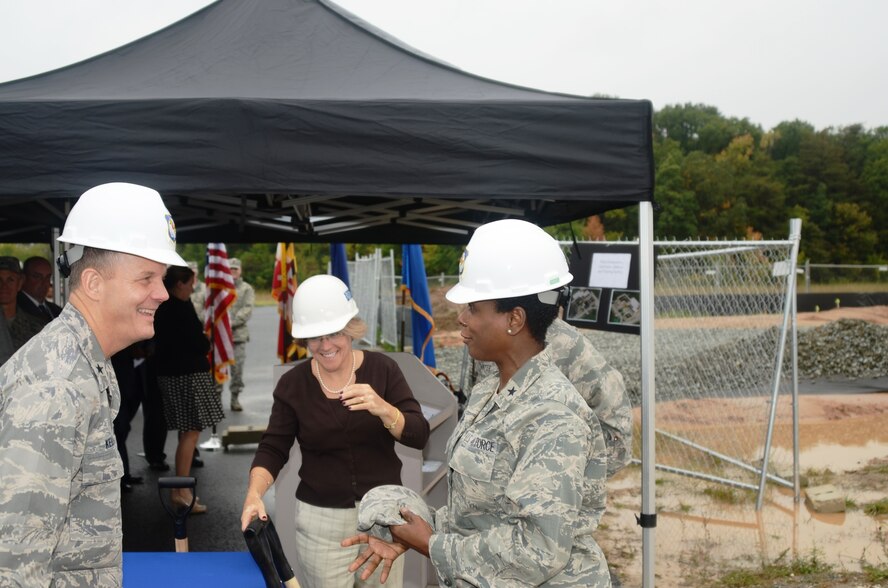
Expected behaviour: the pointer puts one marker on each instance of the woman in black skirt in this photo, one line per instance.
(190, 401)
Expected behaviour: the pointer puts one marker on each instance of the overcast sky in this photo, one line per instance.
(821, 61)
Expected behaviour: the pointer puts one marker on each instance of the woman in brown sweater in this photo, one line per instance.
(346, 408)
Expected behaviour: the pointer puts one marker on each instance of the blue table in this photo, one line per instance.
(217, 569)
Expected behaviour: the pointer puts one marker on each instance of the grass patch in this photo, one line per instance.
(806, 566)
(880, 507)
(875, 573)
(881, 469)
(817, 477)
(728, 495)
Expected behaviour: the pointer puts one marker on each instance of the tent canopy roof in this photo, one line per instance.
(292, 120)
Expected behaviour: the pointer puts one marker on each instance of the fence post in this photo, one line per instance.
(807, 276)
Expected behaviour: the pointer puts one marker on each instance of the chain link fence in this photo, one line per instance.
(718, 334)
(372, 282)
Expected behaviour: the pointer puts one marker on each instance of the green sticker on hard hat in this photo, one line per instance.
(171, 228)
(554, 280)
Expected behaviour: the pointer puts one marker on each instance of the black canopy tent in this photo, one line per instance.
(292, 120)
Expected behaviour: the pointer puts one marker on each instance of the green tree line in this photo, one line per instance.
(723, 177)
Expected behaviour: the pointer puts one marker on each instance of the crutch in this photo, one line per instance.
(265, 547)
(179, 514)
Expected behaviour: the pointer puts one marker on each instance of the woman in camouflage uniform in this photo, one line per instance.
(527, 462)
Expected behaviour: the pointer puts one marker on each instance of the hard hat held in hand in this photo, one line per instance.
(123, 217)
(322, 305)
(509, 258)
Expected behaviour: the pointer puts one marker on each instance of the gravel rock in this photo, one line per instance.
(688, 361)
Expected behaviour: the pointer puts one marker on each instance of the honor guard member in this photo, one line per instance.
(60, 521)
(240, 313)
(527, 462)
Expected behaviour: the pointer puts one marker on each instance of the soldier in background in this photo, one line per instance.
(22, 325)
(60, 470)
(240, 313)
(199, 296)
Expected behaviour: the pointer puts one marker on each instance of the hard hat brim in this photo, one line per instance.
(164, 256)
(321, 328)
(460, 294)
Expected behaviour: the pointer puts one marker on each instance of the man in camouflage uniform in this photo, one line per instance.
(199, 295)
(239, 312)
(60, 470)
(600, 385)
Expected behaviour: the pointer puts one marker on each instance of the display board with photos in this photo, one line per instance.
(605, 292)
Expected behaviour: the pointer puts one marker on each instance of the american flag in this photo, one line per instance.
(283, 287)
(220, 295)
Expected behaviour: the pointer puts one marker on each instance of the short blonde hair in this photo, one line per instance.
(355, 328)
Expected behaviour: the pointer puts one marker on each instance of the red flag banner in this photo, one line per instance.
(283, 287)
(220, 296)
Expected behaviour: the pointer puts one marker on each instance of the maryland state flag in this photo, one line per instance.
(220, 296)
(283, 287)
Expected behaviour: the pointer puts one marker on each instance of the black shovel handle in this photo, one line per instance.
(176, 482)
(269, 546)
(261, 552)
(179, 515)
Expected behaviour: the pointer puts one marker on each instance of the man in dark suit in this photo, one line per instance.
(37, 281)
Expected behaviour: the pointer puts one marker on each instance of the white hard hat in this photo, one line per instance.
(509, 258)
(322, 305)
(123, 217)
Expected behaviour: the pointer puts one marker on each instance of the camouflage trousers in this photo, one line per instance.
(236, 372)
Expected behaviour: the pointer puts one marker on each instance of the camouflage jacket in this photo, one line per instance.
(598, 383)
(241, 311)
(60, 522)
(526, 486)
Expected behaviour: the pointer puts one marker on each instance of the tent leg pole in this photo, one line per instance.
(648, 518)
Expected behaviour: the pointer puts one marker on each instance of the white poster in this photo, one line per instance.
(610, 270)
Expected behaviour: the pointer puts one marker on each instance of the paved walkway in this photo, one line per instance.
(222, 482)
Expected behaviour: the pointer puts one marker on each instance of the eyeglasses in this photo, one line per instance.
(314, 341)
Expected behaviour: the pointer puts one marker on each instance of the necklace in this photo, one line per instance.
(324, 386)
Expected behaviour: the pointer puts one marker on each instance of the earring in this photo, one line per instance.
(509, 331)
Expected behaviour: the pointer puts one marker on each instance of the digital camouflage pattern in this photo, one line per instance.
(241, 311)
(526, 480)
(380, 508)
(598, 383)
(60, 521)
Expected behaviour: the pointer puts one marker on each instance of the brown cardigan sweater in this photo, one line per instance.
(344, 453)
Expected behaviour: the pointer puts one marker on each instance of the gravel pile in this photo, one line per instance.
(690, 360)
